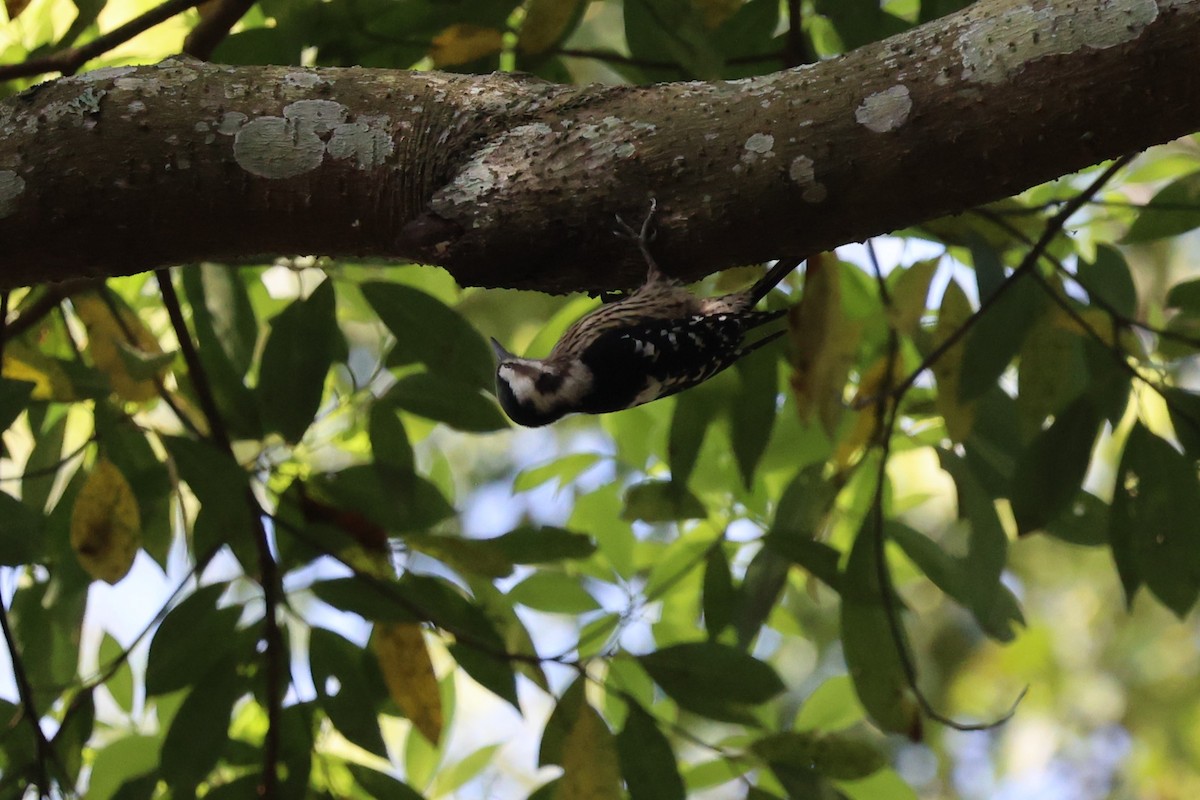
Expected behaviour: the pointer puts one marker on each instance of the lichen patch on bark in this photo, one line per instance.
(997, 41)
(885, 111)
(287, 146)
(12, 186)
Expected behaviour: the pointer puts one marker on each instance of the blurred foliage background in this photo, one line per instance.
(313, 540)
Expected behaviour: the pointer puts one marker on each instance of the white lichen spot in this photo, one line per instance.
(321, 115)
(760, 143)
(999, 39)
(231, 122)
(885, 111)
(305, 80)
(368, 146)
(147, 87)
(136, 107)
(200, 127)
(235, 91)
(275, 147)
(104, 74)
(12, 186)
(803, 175)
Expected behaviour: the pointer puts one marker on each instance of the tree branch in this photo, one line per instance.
(510, 181)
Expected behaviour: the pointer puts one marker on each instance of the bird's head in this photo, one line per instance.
(532, 391)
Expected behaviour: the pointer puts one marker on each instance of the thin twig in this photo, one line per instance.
(796, 52)
(1053, 226)
(70, 60)
(268, 569)
(213, 27)
(887, 410)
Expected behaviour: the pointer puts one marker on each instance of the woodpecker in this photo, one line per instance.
(652, 343)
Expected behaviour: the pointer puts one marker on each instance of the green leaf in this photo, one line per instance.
(389, 443)
(75, 731)
(373, 599)
(671, 28)
(1155, 507)
(758, 593)
(1084, 522)
(492, 672)
(661, 501)
(561, 721)
(1175, 209)
(995, 609)
(345, 690)
(442, 399)
(564, 470)
(120, 685)
(1184, 408)
(694, 413)
(869, 643)
(647, 761)
(997, 336)
(712, 679)
(47, 624)
(987, 549)
(303, 343)
(21, 535)
(380, 786)
(1185, 296)
(44, 464)
(193, 637)
(1108, 280)
(222, 487)
(1050, 471)
(122, 760)
(832, 706)
(847, 755)
(222, 313)
(404, 506)
(226, 335)
(14, 396)
(719, 596)
(553, 592)
(753, 410)
(543, 545)
(429, 332)
(200, 729)
(989, 269)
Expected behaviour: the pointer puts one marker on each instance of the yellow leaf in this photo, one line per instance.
(908, 296)
(24, 363)
(545, 23)
(107, 336)
(959, 416)
(824, 343)
(408, 672)
(106, 528)
(590, 767)
(461, 44)
(866, 422)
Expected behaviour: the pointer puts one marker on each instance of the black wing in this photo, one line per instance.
(636, 364)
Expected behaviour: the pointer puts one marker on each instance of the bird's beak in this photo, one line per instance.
(500, 352)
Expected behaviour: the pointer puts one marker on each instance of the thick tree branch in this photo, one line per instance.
(510, 181)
